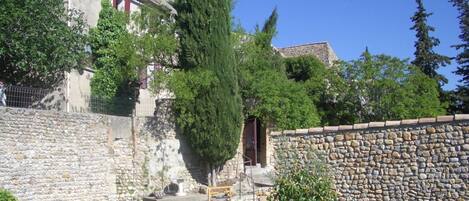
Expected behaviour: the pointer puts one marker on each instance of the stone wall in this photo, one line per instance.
(419, 159)
(50, 155)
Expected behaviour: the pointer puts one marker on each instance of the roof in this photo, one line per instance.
(322, 50)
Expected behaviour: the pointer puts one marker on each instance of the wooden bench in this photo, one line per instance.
(216, 190)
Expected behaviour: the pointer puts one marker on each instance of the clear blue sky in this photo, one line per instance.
(351, 25)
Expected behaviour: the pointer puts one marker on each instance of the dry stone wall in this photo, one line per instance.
(420, 159)
(49, 156)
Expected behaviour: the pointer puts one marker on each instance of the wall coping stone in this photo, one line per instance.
(427, 120)
(447, 118)
(393, 123)
(376, 124)
(361, 126)
(316, 130)
(301, 131)
(345, 127)
(409, 121)
(331, 128)
(461, 117)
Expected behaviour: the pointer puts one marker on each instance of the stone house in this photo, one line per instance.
(77, 90)
(322, 50)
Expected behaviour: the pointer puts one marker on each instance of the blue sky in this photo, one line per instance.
(351, 25)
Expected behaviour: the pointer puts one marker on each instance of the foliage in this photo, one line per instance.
(39, 41)
(6, 195)
(266, 91)
(326, 89)
(269, 30)
(209, 114)
(302, 177)
(384, 88)
(121, 55)
(461, 95)
(107, 40)
(425, 58)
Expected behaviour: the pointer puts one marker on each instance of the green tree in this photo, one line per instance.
(269, 30)
(105, 40)
(425, 57)
(384, 88)
(461, 95)
(324, 86)
(39, 42)
(266, 91)
(212, 121)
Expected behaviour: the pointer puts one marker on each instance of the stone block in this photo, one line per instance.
(301, 131)
(345, 127)
(430, 130)
(360, 126)
(316, 130)
(409, 121)
(289, 132)
(461, 117)
(427, 120)
(376, 124)
(447, 118)
(331, 128)
(393, 123)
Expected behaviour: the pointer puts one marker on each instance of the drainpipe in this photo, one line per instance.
(127, 6)
(67, 74)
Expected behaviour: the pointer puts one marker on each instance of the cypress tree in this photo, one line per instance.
(213, 131)
(425, 58)
(269, 30)
(462, 92)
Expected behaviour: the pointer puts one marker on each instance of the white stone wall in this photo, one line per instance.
(49, 156)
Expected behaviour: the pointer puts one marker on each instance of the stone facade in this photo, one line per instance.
(420, 159)
(50, 155)
(322, 50)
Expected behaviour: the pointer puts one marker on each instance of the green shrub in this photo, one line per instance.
(6, 195)
(302, 177)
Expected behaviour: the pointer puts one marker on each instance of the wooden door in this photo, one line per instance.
(250, 141)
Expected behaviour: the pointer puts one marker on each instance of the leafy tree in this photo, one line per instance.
(324, 86)
(265, 89)
(39, 42)
(384, 88)
(461, 95)
(212, 121)
(425, 57)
